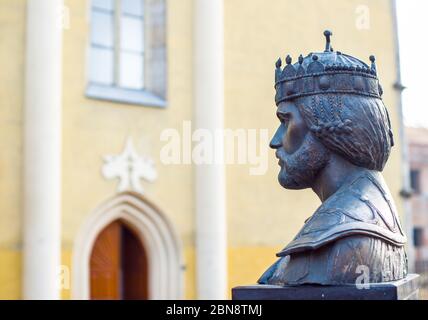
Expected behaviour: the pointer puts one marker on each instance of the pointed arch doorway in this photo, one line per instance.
(118, 265)
(127, 234)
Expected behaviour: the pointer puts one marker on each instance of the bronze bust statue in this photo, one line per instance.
(335, 137)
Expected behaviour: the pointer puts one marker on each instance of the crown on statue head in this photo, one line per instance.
(326, 72)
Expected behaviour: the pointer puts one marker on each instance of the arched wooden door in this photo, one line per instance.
(118, 265)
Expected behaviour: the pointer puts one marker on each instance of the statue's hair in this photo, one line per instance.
(357, 128)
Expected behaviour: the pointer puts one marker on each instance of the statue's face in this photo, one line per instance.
(301, 156)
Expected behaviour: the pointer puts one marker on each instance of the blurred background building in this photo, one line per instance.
(89, 210)
(418, 151)
(418, 154)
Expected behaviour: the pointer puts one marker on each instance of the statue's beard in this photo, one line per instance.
(300, 169)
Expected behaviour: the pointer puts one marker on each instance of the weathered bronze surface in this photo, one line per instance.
(335, 137)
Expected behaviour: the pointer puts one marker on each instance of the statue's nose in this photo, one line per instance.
(276, 141)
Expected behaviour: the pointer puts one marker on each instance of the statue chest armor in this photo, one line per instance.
(362, 206)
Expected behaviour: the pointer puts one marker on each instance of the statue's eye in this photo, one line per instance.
(285, 119)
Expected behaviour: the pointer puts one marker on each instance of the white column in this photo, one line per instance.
(42, 150)
(405, 163)
(211, 247)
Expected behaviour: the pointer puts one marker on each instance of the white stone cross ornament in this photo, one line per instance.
(130, 168)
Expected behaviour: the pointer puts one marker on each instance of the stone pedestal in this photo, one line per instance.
(405, 289)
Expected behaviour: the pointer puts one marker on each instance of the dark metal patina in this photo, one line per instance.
(335, 137)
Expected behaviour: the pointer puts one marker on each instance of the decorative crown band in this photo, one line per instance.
(326, 72)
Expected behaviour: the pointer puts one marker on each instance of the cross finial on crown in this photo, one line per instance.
(328, 34)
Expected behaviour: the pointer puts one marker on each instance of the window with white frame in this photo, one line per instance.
(127, 58)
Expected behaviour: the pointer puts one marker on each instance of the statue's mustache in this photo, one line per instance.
(282, 157)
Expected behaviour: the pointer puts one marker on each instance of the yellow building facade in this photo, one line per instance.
(261, 217)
